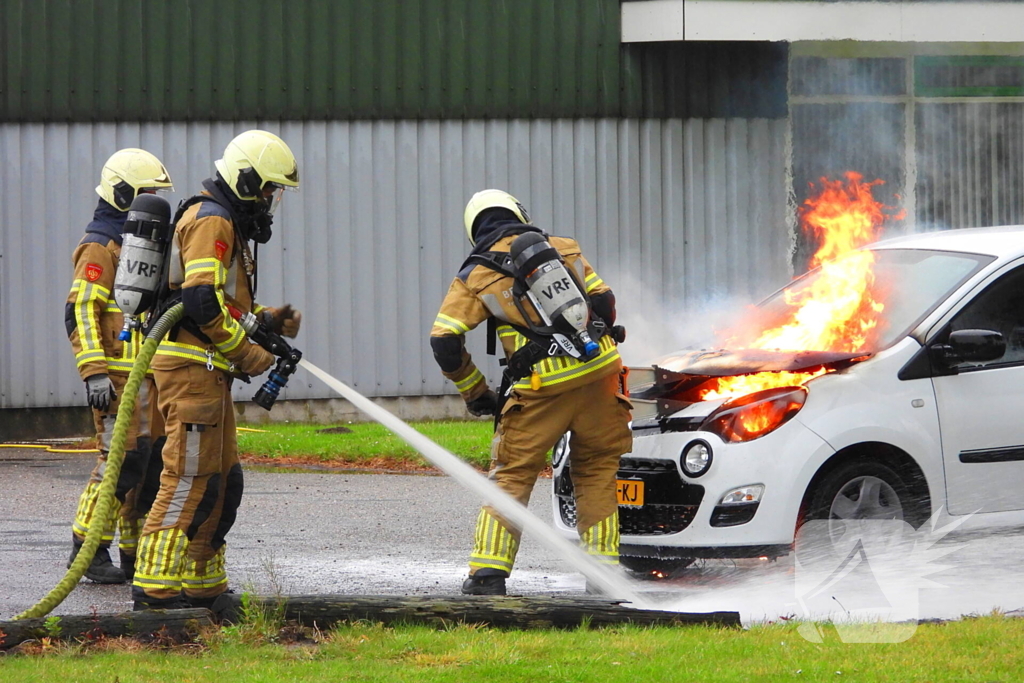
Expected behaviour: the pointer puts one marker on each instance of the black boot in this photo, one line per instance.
(142, 602)
(127, 564)
(490, 583)
(173, 603)
(205, 602)
(102, 570)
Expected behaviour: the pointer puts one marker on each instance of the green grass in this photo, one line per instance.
(470, 440)
(985, 649)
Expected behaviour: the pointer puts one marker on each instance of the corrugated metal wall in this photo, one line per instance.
(667, 209)
(180, 60)
(970, 164)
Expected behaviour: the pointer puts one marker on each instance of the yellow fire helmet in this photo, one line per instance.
(129, 171)
(254, 159)
(492, 199)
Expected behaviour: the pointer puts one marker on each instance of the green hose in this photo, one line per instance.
(115, 457)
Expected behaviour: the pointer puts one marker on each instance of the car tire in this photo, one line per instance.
(864, 489)
(654, 567)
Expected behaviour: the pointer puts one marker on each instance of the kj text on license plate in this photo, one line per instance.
(630, 492)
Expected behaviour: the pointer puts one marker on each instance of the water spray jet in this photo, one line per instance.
(598, 575)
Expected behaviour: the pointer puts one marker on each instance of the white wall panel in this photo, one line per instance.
(667, 210)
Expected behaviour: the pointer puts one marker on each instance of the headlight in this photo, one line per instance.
(559, 451)
(754, 415)
(743, 495)
(697, 458)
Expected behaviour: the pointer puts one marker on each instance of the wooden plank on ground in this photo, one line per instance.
(520, 612)
(174, 624)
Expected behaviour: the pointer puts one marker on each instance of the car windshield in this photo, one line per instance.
(905, 285)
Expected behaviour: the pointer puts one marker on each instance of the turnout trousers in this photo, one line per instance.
(182, 544)
(598, 417)
(140, 471)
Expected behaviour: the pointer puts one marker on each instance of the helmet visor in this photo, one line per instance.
(272, 195)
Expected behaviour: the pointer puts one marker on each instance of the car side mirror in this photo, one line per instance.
(970, 346)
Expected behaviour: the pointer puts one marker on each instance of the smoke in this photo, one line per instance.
(658, 327)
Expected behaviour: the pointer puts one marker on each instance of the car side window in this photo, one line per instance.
(1000, 308)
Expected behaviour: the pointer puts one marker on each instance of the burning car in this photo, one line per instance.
(886, 383)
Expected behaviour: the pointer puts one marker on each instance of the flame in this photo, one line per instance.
(839, 311)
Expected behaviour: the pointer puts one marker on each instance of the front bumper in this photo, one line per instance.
(683, 517)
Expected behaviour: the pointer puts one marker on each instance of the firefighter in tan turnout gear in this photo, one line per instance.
(94, 325)
(212, 270)
(554, 317)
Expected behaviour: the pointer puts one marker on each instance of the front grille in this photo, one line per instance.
(663, 425)
(655, 520)
(669, 504)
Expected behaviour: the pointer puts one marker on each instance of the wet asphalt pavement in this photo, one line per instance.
(302, 533)
(372, 534)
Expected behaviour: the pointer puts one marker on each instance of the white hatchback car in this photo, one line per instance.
(932, 419)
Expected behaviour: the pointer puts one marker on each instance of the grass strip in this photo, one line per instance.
(981, 649)
(366, 443)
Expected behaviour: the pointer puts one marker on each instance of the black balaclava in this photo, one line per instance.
(493, 224)
(108, 220)
(254, 221)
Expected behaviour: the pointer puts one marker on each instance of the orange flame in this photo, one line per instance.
(839, 311)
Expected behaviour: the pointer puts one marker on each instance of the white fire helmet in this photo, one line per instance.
(491, 199)
(128, 172)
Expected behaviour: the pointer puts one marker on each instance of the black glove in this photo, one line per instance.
(487, 404)
(100, 392)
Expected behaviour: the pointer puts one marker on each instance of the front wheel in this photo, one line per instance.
(863, 490)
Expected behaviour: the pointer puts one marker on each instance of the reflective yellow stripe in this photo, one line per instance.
(563, 368)
(450, 323)
(494, 546)
(506, 331)
(593, 281)
(118, 364)
(86, 323)
(468, 383)
(203, 265)
(193, 353)
(229, 325)
(602, 539)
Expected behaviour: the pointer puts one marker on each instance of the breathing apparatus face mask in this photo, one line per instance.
(260, 229)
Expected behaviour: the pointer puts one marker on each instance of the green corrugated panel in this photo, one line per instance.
(101, 60)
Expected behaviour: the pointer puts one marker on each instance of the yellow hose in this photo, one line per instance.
(49, 449)
(115, 458)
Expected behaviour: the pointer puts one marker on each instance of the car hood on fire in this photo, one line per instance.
(725, 363)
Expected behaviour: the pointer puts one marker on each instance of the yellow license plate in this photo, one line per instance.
(630, 492)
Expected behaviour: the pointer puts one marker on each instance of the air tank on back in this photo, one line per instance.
(147, 232)
(554, 293)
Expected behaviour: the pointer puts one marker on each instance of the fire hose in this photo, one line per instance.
(445, 460)
(115, 458)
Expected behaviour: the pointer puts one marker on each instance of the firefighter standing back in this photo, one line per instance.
(558, 393)
(94, 324)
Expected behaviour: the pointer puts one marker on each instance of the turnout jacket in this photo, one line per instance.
(478, 293)
(212, 267)
(91, 317)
